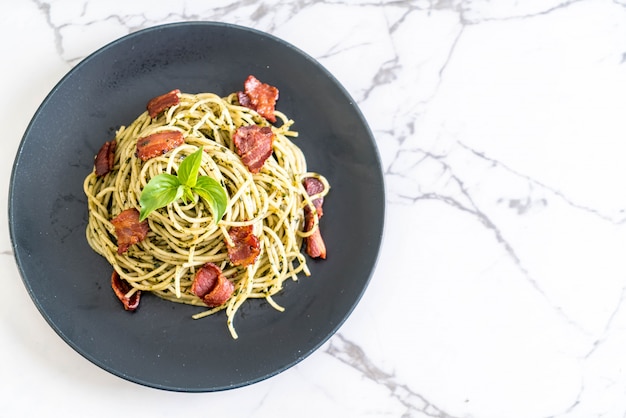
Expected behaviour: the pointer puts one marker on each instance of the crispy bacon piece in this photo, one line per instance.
(315, 246)
(121, 288)
(128, 229)
(314, 186)
(254, 145)
(158, 144)
(247, 246)
(211, 285)
(160, 103)
(260, 97)
(105, 158)
(244, 100)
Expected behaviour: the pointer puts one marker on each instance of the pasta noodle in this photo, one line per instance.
(183, 236)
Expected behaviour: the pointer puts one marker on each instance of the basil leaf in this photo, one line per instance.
(160, 191)
(188, 169)
(214, 194)
(187, 194)
(166, 188)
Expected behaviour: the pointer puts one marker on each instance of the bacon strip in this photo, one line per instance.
(211, 285)
(314, 186)
(128, 230)
(260, 97)
(247, 246)
(254, 145)
(315, 246)
(121, 288)
(160, 103)
(105, 158)
(158, 144)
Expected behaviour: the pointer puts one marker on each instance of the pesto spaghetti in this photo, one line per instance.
(187, 233)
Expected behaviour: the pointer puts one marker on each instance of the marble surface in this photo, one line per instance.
(500, 287)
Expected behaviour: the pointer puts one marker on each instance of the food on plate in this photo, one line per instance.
(206, 200)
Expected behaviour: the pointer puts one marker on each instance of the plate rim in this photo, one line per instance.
(18, 256)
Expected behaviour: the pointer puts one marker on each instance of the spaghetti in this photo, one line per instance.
(185, 236)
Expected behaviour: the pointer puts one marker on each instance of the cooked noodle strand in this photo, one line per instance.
(185, 236)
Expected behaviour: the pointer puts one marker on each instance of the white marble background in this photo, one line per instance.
(501, 283)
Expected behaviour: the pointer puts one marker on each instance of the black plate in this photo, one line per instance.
(160, 345)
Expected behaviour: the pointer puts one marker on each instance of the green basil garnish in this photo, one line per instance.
(164, 189)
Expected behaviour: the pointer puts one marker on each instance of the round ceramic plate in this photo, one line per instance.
(160, 345)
